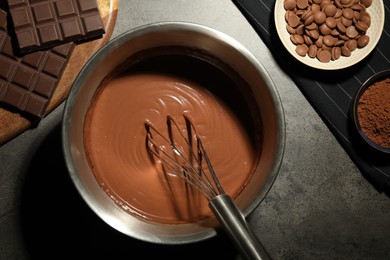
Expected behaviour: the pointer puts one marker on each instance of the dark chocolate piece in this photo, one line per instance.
(28, 82)
(40, 24)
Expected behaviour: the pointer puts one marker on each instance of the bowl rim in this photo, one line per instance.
(280, 25)
(355, 115)
(160, 27)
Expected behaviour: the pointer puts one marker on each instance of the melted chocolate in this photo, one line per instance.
(115, 135)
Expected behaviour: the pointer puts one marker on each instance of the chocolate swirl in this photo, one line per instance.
(115, 143)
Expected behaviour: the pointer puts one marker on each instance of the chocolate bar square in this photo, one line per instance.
(27, 82)
(42, 24)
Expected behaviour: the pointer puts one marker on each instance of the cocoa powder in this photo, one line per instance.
(374, 112)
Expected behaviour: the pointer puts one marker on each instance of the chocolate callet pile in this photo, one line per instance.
(29, 78)
(327, 29)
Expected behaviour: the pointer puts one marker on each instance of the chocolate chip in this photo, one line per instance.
(319, 17)
(289, 4)
(346, 22)
(312, 52)
(336, 53)
(366, 3)
(363, 41)
(293, 20)
(361, 26)
(331, 22)
(296, 39)
(302, 49)
(330, 10)
(302, 4)
(340, 27)
(365, 18)
(324, 56)
(325, 30)
(351, 44)
(345, 51)
(312, 26)
(329, 40)
(351, 32)
(348, 13)
(345, 2)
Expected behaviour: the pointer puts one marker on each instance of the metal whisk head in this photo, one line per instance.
(181, 152)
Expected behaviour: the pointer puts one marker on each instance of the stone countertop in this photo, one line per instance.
(320, 206)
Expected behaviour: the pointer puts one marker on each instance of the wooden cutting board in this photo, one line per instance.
(13, 123)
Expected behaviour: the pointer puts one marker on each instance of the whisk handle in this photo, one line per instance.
(235, 225)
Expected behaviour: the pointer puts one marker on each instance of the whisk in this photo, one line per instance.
(184, 155)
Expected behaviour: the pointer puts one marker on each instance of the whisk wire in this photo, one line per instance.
(185, 165)
(192, 133)
(211, 169)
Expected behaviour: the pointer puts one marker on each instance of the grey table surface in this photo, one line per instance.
(320, 206)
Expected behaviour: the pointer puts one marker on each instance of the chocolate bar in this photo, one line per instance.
(28, 82)
(41, 24)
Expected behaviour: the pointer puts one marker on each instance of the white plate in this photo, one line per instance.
(377, 13)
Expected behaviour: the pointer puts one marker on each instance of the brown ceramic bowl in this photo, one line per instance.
(357, 116)
(196, 42)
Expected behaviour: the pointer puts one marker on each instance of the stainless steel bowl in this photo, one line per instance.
(218, 49)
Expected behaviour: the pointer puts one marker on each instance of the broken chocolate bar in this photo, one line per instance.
(28, 82)
(41, 24)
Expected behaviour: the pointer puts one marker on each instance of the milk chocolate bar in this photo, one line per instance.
(41, 24)
(27, 83)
